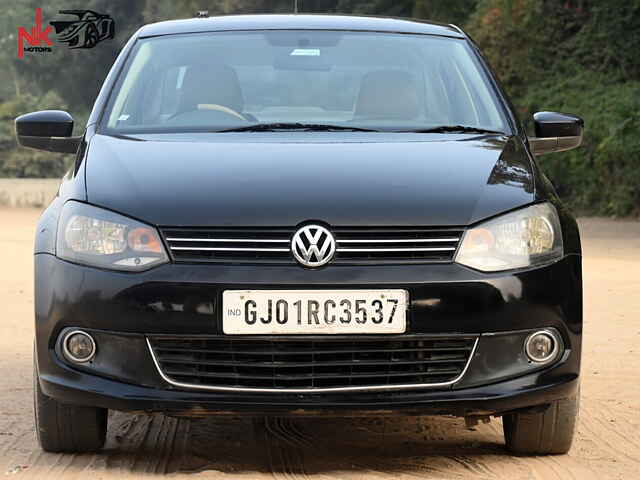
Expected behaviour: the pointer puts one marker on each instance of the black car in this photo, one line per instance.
(322, 214)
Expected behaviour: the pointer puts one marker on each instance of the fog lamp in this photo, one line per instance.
(542, 346)
(79, 346)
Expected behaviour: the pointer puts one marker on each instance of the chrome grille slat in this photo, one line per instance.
(230, 249)
(355, 245)
(443, 249)
(418, 240)
(229, 240)
(244, 376)
(312, 364)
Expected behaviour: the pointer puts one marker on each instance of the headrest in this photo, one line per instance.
(388, 94)
(211, 84)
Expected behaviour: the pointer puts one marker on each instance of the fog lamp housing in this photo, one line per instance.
(78, 346)
(543, 346)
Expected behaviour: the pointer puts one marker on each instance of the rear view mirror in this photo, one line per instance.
(555, 132)
(301, 63)
(48, 130)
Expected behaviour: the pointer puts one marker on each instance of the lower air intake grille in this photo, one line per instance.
(353, 245)
(291, 364)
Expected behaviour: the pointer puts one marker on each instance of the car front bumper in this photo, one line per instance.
(122, 309)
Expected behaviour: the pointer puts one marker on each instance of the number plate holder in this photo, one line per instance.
(314, 312)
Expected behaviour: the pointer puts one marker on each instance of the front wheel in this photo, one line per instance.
(546, 432)
(67, 428)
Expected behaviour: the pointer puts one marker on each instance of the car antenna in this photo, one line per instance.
(295, 6)
(202, 14)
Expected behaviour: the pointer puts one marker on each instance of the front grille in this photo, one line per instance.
(272, 245)
(297, 364)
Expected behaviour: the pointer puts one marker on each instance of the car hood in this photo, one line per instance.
(340, 179)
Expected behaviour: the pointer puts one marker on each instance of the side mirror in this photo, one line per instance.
(48, 130)
(555, 132)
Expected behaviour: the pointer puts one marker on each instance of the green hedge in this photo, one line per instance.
(603, 176)
(579, 57)
(16, 162)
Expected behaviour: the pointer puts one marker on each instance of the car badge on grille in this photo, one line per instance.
(313, 246)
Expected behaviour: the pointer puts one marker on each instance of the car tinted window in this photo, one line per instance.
(216, 81)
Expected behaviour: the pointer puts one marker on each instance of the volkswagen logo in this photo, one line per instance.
(313, 246)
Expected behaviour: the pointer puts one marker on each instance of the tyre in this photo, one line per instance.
(67, 428)
(548, 432)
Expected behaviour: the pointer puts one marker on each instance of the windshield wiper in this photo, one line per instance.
(451, 129)
(309, 127)
(127, 137)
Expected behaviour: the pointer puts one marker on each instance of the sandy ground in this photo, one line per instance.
(607, 444)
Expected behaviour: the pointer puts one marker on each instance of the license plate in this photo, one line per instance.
(330, 312)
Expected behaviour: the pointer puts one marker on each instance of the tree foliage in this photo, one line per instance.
(579, 56)
(582, 57)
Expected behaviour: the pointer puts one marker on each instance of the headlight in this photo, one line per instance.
(100, 238)
(523, 238)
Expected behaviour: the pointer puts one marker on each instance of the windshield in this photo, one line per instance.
(347, 80)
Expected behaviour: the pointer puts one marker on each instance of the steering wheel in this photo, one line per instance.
(205, 113)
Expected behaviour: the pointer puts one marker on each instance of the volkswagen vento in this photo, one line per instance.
(305, 214)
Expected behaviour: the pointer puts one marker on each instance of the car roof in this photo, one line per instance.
(299, 22)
